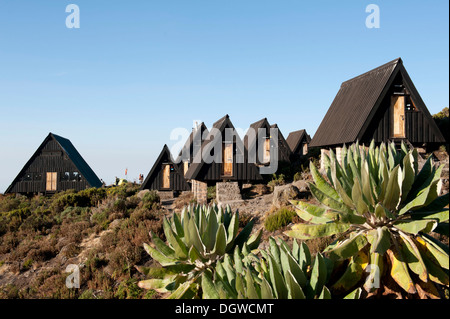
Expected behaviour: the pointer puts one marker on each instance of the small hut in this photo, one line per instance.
(259, 134)
(381, 105)
(229, 164)
(55, 166)
(298, 142)
(165, 175)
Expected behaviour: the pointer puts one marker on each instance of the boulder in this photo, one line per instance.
(283, 194)
(260, 189)
(302, 186)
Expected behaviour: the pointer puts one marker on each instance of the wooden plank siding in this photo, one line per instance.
(177, 182)
(155, 178)
(360, 110)
(212, 172)
(417, 127)
(51, 158)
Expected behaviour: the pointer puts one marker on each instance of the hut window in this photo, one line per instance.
(28, 177)
(65, 177)
(410, 104)
(37, 176)
(75, 177)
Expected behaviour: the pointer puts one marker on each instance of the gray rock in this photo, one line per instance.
(302, 186)
(283, 194)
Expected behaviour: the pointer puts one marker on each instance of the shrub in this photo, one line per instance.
(276, 181)
(150, 198)
(211, 192)
(8, 203)
(87, 294)
(101, 218)
(124, 190)
(297, 176)
(382, 207)
(14, 219)
(27, 264)
(85, 198)
(73, 214)
(128, 289)
(279, 219)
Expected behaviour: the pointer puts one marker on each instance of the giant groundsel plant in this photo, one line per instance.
(382, 209)
(197, 239)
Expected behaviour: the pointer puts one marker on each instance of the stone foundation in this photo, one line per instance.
(165, 195)
(228, 192)
(200, 190)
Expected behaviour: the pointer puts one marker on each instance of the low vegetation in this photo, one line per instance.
(376, 228)
(279, 219)
(101, 230)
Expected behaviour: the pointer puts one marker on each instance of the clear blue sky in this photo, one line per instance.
(135, 70)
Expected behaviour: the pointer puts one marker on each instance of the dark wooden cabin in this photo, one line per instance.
(165, 175)
(252, 142)
(234, 165)
(192, 145)
(55, 166)
(382, 104)
(298, 142)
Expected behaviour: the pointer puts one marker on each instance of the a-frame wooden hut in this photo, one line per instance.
(252, 141)
(298, 142)
(382, 104)
(233, 165)
(165, 175)
(55, 166)
(192, 145)
(284, 150)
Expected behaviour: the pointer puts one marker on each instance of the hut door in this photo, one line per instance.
(266, 158)
(51, 181)
(186, 167)
(227, 167)
(166, 176)
(305, 148)
(398, 116)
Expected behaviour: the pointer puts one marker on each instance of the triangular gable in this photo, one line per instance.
(85, 170)
(187, 152)
(352, 105)
(69, 150)
(198, 163)
(358, 101)
(294, 140)
(282, 143)
(164, 156)
(28, 163)
(250, 140)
